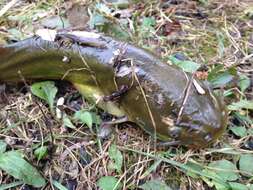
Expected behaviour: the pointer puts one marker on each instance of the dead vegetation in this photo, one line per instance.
(211, 33)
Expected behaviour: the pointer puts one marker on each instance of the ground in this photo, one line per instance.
(216, 34)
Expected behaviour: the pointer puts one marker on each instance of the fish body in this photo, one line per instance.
(161, 98)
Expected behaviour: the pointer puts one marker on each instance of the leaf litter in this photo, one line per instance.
(215, 35)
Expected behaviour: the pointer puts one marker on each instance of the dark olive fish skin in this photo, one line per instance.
(99, 66)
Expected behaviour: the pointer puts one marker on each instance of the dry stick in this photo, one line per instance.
(72, 70)
(186, 95)
(139, 170)
(44, 115)
(126, 172)
(73, 147)
(47, 122)
(7, 7)
(51, 178)
(88, 67)
(134, 173)
(95, 80)
(77, 161)
(232, 40)
(16, 138)
(148, 107)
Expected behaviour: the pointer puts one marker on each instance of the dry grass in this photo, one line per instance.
(25, 122)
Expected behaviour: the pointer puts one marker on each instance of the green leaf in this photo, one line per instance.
(214, 183)
(187, 66)
(239, 131)
(55, 22)
(100, 22)
(244, 82)
(215, 71)
(228, 92)
(10, 185)
(222, 79)
(18, 18)
(205, 2)
(250, 131)
(59, 186)
(245, 164)
(85, 117)
(117, 157)
(97, 20)
(13, 164)
(194, 167)
(155, 185)
(41, 152)
(152, 168)
(45, 90)
(16, 34)
(181, 166)
(219, 186)
(237, 186)
(109, 183)
(226, 149)
(243, 118)
(242, 104)
(148, 22)
(219, 78)
(208, 180)
(3, 146)
(225, 170)
(146, 29)
(103, 8)
(117, 32)
(67, 122)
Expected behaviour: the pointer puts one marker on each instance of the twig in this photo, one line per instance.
(48, 123)
(7, 7)
(186, 95)
(148, 107)
(73, 70)
(93, 75)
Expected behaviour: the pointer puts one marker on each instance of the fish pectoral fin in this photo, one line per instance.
(95, 95)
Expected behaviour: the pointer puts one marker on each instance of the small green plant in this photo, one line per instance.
(109, 183)
(47, 91)
(41, 152)
(116, 157)
(185, 65)
(13, 163)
